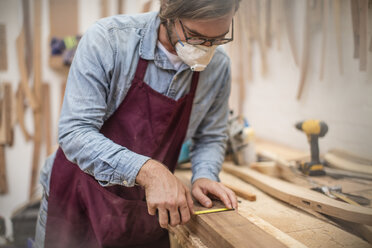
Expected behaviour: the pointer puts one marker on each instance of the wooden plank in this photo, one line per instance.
(184, 238)
(243, 193)
(3, 48)
(275, 232)
(120, 6)
(147, 6)
(23, 71)
(37, 92)
(306, 226)
(104, 8)
(63, 18)
(338, 162)
(302, 197)
(3, 178)
(20, 112)
(228, 229)
(6, 129)
(363, 31)
(351, 157)
(337, 173)
(285, 152)
(28, 37)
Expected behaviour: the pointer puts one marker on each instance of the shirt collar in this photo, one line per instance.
(148, 44)
(149, 38)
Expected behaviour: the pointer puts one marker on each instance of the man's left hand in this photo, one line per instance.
(203, 187)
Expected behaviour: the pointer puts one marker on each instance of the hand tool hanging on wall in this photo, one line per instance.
(313, 130)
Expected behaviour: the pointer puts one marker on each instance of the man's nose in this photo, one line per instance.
(208, 43)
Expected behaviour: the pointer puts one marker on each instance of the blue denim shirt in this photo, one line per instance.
(98, 81)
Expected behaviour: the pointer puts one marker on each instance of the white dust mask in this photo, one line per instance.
(196, 56)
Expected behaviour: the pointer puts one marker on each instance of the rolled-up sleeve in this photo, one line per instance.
(83, 112)
(209, 141)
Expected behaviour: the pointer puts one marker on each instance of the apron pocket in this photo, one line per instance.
(134, 226)
(116, 221)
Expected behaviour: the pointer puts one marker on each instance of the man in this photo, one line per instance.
(137, 88)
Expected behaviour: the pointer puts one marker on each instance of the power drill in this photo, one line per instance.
(313, 129)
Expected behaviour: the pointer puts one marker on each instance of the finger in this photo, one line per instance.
(163, 217)
(184, 212)
(174, 216)
(232, 197)
(221, 194)
(151, 209)
(201, 197)
(190, 202)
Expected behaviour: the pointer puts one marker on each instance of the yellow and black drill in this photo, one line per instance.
(313, 129)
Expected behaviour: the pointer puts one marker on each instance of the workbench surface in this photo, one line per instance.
(289, 224)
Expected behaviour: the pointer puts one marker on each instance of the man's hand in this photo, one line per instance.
(203, 186)
(165, 194)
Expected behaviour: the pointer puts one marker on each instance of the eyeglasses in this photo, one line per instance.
(202, 41)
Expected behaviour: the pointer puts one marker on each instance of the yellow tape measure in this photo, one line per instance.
(213, 210)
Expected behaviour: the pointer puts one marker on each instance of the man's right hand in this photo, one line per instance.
(165, 193)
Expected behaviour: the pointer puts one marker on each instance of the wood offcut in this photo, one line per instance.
(3, 49)
(302, 197)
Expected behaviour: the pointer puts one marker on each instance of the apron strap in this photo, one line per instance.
(194, 82)
(141, 69)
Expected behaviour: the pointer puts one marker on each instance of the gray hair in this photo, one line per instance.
(196, 9)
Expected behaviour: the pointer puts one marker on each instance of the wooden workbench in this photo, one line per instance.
(292, 226)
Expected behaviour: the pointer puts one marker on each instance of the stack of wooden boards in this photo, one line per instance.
(289, 224)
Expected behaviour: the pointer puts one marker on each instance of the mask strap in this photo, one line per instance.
(169, 36)
(179, 39)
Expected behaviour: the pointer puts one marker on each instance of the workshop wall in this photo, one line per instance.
(270, 101)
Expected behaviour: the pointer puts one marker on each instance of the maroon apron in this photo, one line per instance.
(82, 213)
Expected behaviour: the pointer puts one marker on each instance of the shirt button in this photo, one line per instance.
(125, 182)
